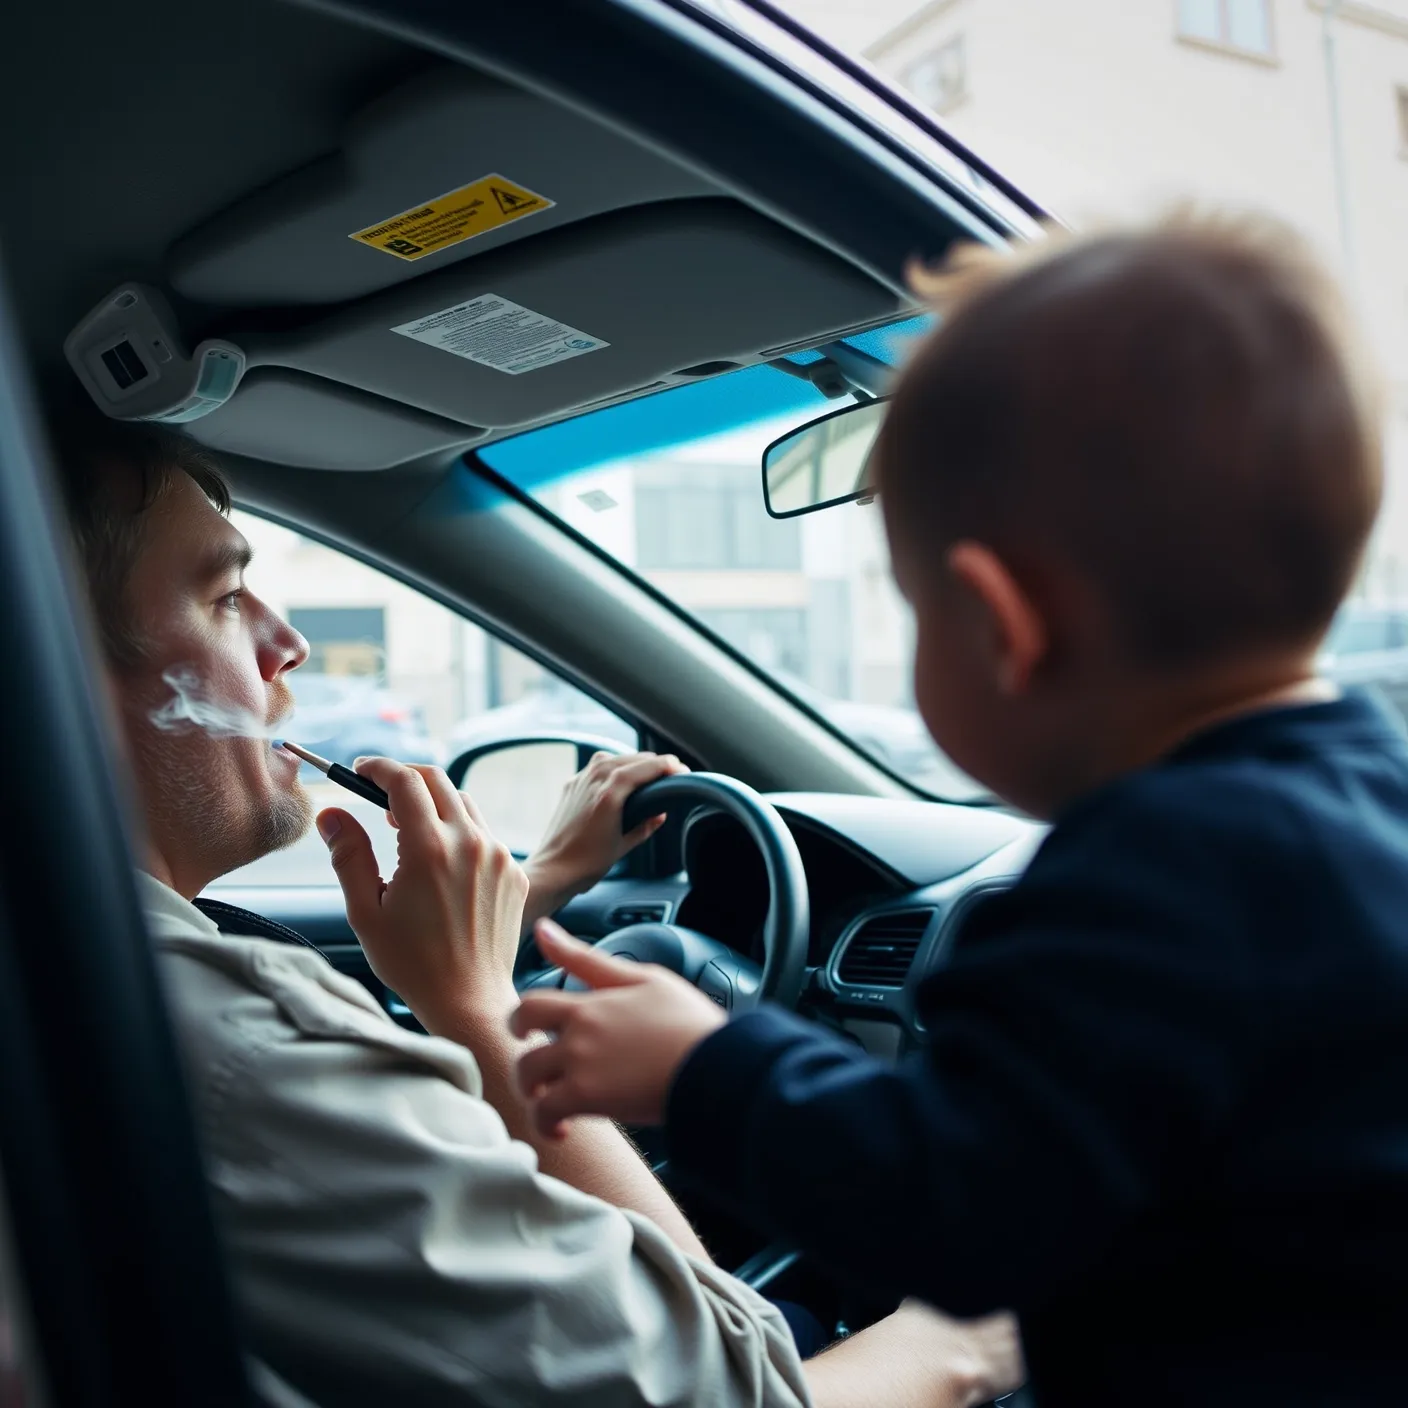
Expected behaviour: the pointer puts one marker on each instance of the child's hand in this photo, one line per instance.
(617, 1049)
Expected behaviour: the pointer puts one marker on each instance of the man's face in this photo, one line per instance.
(212, 802)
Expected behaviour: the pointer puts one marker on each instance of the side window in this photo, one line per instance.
(392, 672)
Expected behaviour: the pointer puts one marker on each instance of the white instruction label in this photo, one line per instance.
(497, 333)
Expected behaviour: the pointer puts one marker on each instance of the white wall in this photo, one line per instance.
(1097, 108)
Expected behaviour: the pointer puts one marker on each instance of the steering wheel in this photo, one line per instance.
(734, 982)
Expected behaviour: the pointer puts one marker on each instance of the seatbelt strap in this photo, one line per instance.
(231, 919)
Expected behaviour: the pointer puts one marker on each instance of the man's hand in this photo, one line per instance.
(584, 839)
(618, 1048)
(443, 932)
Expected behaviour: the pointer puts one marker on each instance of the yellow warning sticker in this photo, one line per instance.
(459, 215)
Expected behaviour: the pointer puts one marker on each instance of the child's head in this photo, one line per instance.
(1128, 479)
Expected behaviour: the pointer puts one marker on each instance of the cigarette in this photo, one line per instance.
(344, 777)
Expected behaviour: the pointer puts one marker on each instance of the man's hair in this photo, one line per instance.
(111, 473)
(1179, 412)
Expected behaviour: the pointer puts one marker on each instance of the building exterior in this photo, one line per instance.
(1110, 108)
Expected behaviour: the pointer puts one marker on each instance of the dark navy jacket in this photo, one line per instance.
(1163, 1109)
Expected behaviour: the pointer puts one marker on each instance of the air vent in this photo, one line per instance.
(625, 914)
(879, 953)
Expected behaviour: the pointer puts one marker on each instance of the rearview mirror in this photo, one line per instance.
(824, 462)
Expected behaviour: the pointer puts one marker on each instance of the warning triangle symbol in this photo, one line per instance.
(510, 202)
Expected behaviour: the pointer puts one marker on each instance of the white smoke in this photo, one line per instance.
(191, 706)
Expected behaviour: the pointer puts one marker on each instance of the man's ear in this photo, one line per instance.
(1019, 635)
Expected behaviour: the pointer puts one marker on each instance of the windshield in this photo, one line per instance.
(671, 486)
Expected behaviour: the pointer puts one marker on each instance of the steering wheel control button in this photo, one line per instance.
(714, 983)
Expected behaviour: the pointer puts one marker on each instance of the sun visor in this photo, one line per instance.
(447, 166)
(288, 418)
(582, 314)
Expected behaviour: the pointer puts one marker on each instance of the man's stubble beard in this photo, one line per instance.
(208, 811)
(286, 821)
(291, 813)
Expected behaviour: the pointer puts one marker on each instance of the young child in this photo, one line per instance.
(1163, 1109)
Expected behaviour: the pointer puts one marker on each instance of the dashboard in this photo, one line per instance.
(889, 882)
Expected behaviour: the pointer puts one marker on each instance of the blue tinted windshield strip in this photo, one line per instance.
(680, 414)
(668, 418)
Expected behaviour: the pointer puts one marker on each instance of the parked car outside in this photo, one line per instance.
(550, 706)
(895, 737)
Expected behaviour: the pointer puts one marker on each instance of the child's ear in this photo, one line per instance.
(1019, 636)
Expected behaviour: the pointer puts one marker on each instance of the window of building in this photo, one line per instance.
(342, 640)
(940, 79)
(705, 517)
(775, 637)
(1241, 25)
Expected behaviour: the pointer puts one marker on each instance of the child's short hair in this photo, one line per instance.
(1179, 411)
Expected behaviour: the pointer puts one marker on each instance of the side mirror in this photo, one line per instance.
(824, 462)
(516, 782)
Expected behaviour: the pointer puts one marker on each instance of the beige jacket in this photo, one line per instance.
(392, 1246)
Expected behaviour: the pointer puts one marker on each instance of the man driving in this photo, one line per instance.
(399, 1233)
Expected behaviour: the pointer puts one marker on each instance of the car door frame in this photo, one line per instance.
(114, 1245)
